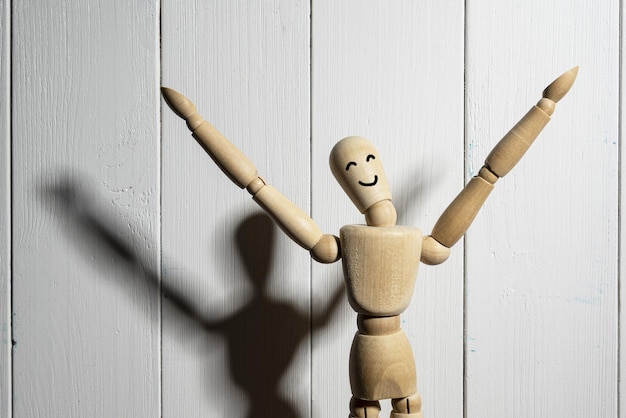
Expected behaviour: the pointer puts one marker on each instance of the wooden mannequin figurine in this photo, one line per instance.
(380, 259)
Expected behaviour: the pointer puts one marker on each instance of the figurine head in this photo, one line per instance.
(356, 165)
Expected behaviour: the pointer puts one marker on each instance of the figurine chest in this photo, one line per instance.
(380, 267)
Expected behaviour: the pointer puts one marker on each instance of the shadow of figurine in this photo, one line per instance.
(262, 337)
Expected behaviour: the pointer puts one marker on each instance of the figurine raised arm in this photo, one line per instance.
(291, 219)
(455, 220)
(380, 259)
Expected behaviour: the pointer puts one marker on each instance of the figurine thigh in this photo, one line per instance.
(382, 367)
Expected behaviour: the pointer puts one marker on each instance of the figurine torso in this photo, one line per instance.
(380, 267)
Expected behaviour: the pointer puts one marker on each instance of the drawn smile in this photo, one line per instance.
(370, 184)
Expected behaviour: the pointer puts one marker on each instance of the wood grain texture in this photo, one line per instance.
(245, 351)
(5, 211)
(521, 321)
(380, 267)
(86, 195)
(541, 278)
(392, 73)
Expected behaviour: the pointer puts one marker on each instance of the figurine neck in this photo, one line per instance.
(381, 213)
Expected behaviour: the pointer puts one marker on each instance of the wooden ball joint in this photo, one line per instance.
(380, 259)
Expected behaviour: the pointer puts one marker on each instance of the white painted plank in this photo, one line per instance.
(393, 73)
(85, 125)
(227, 349)
(542, 257)
(622, 232)
(5, 210)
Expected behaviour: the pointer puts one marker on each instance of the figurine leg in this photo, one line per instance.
(409, 407)
(360, 408)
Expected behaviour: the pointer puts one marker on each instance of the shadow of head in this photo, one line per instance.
(255, 242)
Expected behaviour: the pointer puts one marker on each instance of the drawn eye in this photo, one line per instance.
(370, 157)
(351, 163)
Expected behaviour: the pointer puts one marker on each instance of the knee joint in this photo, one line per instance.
(360, 408)
(411, 406)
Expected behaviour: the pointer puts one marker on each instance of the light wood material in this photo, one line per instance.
(374, 325)
(327, 249)
(402, 115)
(232, 161)
(360, 408)
(291, 219)
(410, 406)
(559, 87)
(380, 263)
(459, 215)
(516, 142)
(433, 252)
(380, 260)
(382, 367)
(381, 213)
(380, 267)
(228, 157)
(357, 166)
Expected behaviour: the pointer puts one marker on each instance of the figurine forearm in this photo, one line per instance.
(457, 218)
(228, 157)
(291, 219)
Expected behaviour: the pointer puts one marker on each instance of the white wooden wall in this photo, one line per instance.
(124, 290)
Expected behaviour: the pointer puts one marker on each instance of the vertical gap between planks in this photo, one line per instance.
(159, 77)
(8, 44)
(311, 261)
(464, 263)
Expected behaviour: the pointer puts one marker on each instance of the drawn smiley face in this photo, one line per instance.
(367, 160)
